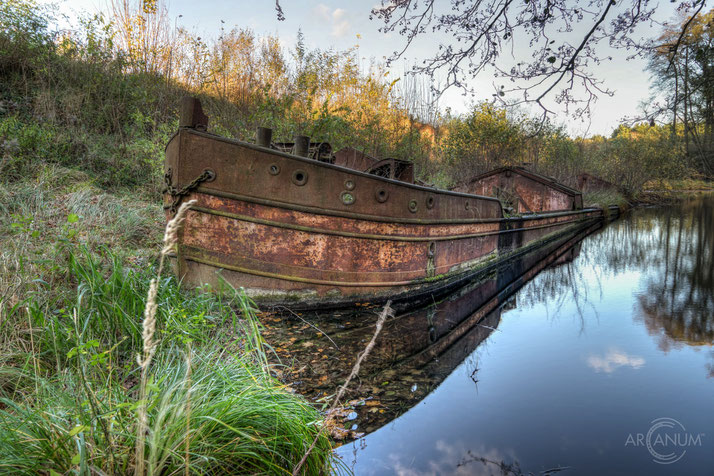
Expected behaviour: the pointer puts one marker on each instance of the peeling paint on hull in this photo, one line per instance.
(278, 226)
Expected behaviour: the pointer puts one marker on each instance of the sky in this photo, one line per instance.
(342, 25)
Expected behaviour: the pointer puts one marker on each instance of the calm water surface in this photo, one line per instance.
(577, 366)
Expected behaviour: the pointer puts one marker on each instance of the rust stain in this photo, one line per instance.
(278, 223)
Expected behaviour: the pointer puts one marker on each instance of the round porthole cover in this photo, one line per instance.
(299, 177)
(347, 198)
(413, 207)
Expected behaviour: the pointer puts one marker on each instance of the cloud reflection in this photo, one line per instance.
(454, 459)
(613, 360)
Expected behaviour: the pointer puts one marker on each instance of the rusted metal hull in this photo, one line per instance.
(291, 230)
(525, 191)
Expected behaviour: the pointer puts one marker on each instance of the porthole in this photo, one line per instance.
(349, 185)
(274, 169)
(432, 249)
(347, 198)
(381, 195)
(413, 207)
(300, 177)
(430, 202)
(467, 205)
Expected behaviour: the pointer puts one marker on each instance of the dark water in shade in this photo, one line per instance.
(583, 358)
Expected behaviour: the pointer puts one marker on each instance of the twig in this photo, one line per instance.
(32, 347)
(555, 470)
(387, 311)
(310, 324)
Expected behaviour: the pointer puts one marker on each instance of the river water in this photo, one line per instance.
(603, 363)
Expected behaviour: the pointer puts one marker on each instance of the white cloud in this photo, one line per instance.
(453, 458)
(613, 360)
(322, 11)
(336, 18)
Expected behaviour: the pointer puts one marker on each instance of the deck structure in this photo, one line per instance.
(291, 227)
(524, 191)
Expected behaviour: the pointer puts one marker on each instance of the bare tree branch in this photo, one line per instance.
(683, 33)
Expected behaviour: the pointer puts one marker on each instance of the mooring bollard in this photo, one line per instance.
(302, 146)
(263, 136)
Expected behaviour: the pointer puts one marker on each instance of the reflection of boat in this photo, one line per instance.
(417, 350)
(296, 228)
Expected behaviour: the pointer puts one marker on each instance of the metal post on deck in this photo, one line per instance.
(263, 136)
(192, 115)
(302, 146)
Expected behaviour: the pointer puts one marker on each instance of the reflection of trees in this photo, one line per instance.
(563, 282)
(674, 250)
(679, 289)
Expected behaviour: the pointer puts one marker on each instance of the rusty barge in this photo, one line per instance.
(292, 227)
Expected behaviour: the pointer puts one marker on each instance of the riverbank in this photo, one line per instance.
(75, 270)
(659, 192)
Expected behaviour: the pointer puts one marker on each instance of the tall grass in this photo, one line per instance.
(69, 383)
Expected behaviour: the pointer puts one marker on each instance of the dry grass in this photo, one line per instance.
(149, 344)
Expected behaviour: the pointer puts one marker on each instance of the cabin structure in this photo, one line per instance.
(395, 169)
(354, 159)
(524, 191)
(592, 183)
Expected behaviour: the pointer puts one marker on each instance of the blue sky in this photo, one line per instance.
(337, 24)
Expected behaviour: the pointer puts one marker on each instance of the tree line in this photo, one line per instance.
(121, 76)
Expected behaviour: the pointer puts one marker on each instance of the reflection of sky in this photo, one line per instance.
(563, 382)
(613, 360)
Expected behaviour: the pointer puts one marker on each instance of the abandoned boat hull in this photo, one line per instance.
(297, 231)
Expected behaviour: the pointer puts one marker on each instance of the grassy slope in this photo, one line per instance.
(81, 147)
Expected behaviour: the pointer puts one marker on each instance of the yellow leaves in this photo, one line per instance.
(391, 85)
(149, 6)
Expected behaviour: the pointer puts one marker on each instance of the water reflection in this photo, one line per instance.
(678, 299)
(587, 353)
(672, 249)
(614, 359)
(415, 351)
(603, 337)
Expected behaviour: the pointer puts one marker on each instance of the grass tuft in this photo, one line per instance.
(70, 386)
